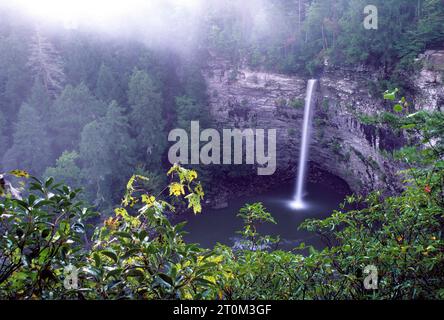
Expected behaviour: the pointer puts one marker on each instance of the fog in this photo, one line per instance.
(172, 23)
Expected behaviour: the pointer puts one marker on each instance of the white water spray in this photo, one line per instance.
(298, 202)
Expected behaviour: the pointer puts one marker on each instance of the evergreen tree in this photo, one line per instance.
(193, 82)
(191, 103)
(107, 154)
(188, 110)
(381, 47)
(39, 98)
(30, 149)
(146, 118)
(121, 148)
(107, 87)
(82, 56)
(72, 110)
(431, 22)
(14, 75)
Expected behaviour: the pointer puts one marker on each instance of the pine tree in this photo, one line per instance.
(30, 149)
(146, 118)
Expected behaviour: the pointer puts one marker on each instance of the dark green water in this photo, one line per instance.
(214, 226)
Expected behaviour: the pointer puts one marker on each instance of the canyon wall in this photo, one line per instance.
(342, 144)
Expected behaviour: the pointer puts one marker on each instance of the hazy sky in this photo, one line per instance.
(148, 20)
(173, 23)
(101, 11)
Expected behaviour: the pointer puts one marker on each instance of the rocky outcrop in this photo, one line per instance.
(342, 143)
(429, 81)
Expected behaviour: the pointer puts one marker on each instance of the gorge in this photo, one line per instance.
(343, 144)
(347, 156)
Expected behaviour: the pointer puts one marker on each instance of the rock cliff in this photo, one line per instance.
(342, 144)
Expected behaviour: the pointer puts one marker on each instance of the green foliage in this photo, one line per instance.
(145, 99)
(187, 110)
(155, 181)
(41, 234)
(399, 235)
(72, 110)
(194, 84)
(390, 95)
(298, 37)
(39, 98)
(14, 77)
(139, 254)
(108, 153)
(297, 103)
(30, 141)
(95, 71)
(325, 104)
(107, 86)
(82, 56)
(66, 169)
(253, 215)
(30, 146)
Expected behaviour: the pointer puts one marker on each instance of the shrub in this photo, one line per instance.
(297, 103)
(139, 254)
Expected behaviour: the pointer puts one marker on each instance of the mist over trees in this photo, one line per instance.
(89, 114)
(93, 108)
(300, 36)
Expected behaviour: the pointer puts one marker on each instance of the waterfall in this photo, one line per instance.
(298, 202)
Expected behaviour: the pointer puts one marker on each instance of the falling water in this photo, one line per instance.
(298, 202)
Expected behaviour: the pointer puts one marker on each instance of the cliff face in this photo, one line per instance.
(341, 143)
(429, 81)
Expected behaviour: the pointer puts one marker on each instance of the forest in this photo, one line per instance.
(85, 179)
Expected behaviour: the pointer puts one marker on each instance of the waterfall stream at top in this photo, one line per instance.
(298, 200)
